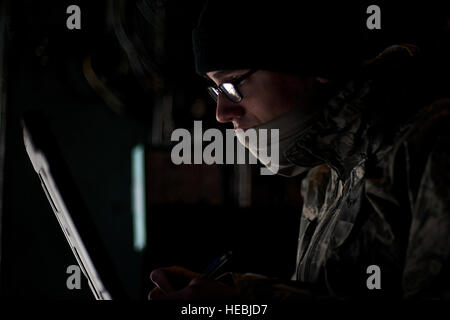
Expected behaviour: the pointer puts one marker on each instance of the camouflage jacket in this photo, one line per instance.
(377, 193)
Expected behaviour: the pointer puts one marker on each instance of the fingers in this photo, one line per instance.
(198, 289)
(155, 294)
(170, 279)
(183, 294)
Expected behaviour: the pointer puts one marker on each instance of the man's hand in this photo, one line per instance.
(178, 283)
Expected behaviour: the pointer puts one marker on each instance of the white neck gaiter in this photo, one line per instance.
(290, 126)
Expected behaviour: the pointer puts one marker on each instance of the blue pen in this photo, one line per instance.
(216, 266)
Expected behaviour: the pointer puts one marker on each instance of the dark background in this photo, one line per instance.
(105, 94)
(194, 213)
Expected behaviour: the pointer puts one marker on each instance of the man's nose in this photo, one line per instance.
(228, 111)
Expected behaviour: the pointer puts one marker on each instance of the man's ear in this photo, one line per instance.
(322, 80)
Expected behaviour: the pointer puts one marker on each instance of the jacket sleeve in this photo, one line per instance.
(427, 269)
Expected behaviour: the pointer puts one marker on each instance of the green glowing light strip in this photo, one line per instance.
(138, 197)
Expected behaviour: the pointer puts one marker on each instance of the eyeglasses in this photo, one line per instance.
(229, 89)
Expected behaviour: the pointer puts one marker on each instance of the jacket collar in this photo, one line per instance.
(337, 136)
(348, 129)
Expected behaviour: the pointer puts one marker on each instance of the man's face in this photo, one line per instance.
(266, 96)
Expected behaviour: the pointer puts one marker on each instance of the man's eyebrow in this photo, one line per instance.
(226, 75)
(223, 74)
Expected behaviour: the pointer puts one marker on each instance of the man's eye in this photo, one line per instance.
(232, 79)
(235, 77)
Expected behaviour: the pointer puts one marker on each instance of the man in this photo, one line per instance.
(371, 135)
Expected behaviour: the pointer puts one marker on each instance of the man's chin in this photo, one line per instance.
(243, 128)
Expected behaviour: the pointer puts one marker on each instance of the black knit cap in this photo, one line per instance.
(303, 37)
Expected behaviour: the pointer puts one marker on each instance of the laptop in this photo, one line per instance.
(69, 208)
